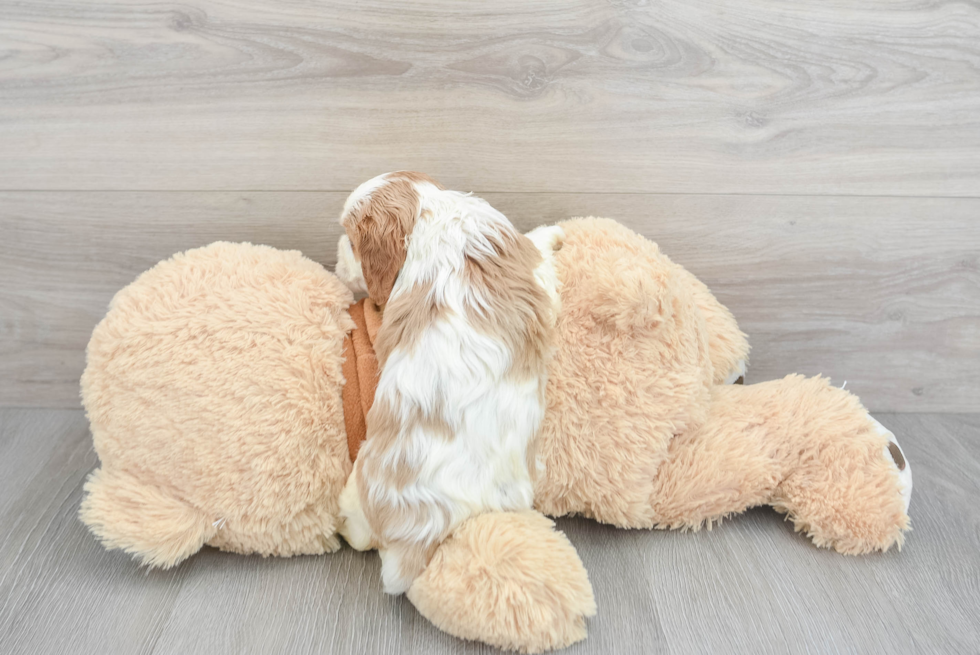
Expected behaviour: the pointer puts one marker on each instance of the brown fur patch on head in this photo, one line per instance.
(378, 227)
(414, 176)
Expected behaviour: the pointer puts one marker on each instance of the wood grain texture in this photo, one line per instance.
(881, 292)
(694, 96)
(740, 136)
(751, 585)
(63, 257)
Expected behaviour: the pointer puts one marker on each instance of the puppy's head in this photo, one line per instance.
(378, 219)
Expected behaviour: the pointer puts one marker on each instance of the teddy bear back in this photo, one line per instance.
(633, 366)
(213, 389)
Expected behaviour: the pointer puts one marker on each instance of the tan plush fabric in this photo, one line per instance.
(727, 345)
(631, 369)
(639, 434)
(213, 390)
(798, 444)
(510, 580)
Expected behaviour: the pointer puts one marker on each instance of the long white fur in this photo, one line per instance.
(463, 371)
(348, 269)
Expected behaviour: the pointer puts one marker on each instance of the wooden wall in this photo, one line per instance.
(816, 163)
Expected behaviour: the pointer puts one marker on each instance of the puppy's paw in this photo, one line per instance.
(354, 526)
(402, 562)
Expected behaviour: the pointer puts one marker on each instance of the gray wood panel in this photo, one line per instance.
(64, 255)
(760, 96)
(881, 292)
(751, 585)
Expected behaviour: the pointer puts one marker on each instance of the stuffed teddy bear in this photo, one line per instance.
(227, 390)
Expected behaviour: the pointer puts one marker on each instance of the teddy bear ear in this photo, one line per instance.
(629, 297)
(508, 579)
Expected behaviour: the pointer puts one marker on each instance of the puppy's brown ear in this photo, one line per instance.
(380, 235)
(382, 256)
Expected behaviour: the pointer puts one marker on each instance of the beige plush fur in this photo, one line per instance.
(804, 447)
(631, 369)
(639, 434)
(509, 580)
(213, 391)
(728, 347)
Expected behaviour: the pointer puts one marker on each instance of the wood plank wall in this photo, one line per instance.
(817, 163)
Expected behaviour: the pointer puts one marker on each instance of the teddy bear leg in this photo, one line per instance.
(160, 530)
(849, 485)
(508, 579)
(808, 449)
(142, 520)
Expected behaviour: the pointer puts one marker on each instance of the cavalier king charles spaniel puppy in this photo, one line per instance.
(468, 307)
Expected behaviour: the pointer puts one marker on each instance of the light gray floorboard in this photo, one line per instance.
(770, 146)
(749, 586)
(816, 162)
(881, 292)
(679, 96)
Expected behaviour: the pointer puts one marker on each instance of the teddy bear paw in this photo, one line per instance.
(894, 454)
(508, 579)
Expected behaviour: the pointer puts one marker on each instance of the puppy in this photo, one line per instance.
(468, 314)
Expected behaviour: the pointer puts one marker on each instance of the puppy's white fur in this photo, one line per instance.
(453, 372)
(348, 268)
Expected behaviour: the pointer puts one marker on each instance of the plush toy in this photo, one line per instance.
(227, 390)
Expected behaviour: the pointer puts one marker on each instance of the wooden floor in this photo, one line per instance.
(815, 162)
(749, 586)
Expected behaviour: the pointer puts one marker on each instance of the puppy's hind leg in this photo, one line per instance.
(354, 525)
